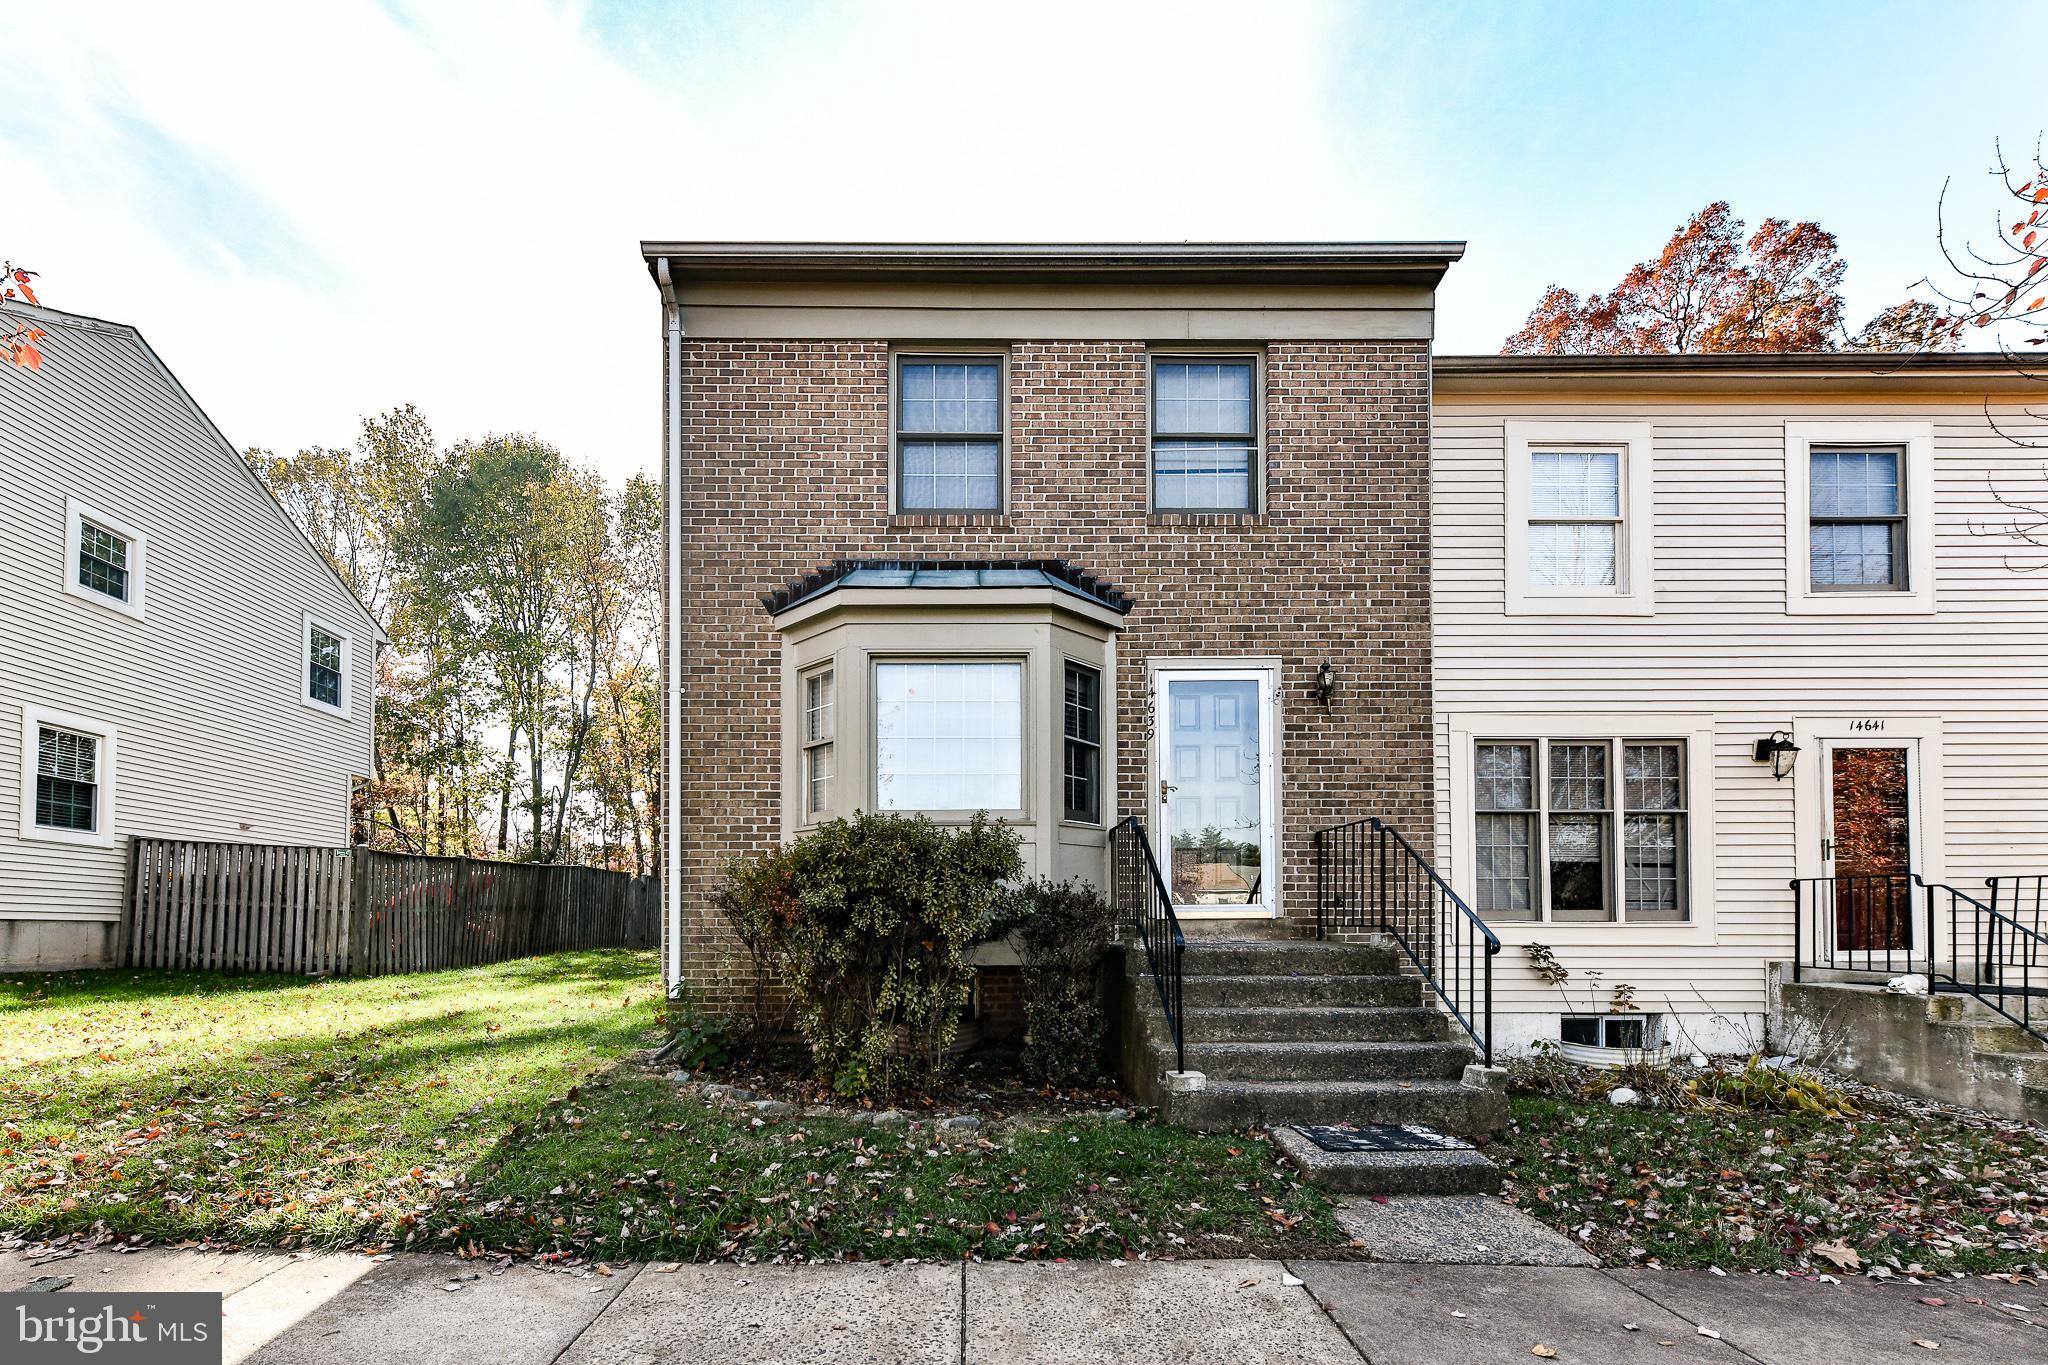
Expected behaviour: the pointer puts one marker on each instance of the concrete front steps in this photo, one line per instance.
(1945, 1046)
(1287, 1032)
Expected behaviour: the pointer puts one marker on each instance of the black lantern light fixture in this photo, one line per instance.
(1326, 683)
(1779, 751)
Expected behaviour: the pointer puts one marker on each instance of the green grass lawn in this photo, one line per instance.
(1778, 1191)
(493, 1108)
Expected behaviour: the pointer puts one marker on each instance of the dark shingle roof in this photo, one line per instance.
(941, 574)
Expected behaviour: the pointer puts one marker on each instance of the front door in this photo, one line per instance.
(1867, 844)
(1215, 802)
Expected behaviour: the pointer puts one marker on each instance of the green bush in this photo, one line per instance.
(1062, 929)
(868, 923)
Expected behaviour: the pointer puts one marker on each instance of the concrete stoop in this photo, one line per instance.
(1943, 1047)
(1300, 1032)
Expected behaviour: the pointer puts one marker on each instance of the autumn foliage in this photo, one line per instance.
(21, 343)
(2002, 285)
(1712, 290)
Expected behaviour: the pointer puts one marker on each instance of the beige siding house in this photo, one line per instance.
(180, 661)
(1646, 565)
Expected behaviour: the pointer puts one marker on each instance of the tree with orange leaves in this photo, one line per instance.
(1712, 290)
(2002, 286)
(21, 343)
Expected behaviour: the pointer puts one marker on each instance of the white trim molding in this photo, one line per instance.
(348, 664)
(1916, 439)
(76, 513)
(1696, 732)
(1635, 590)
(106, 768)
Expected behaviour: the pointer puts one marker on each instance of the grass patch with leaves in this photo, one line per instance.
(1891, 1186)
(276, 1109)
(496, 1109)
(633, 1168)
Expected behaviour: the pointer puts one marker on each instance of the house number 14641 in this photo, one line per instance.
(1866, 726)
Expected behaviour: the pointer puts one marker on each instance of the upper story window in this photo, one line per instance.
(1081, 761)
(105, 560)
(1857, 529)
(819, 736)
(67, 778)
(1859, 526)
(949, 736)
(1578, 518)
(1556, 837)
(1574, 518)
(326, 667)
(1205, 433)
(949, 433)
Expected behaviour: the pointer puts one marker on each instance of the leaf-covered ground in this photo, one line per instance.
(1897, 1187)
(493, 1109)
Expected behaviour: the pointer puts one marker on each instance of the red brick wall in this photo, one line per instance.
(786, 468)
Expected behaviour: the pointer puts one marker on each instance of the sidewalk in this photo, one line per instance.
(426, 1310)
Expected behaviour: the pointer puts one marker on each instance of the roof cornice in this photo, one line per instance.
(1954, 372)
(1324, 262)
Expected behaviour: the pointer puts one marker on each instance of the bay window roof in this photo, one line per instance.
(940, 576)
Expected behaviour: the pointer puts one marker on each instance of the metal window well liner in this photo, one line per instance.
(1380, 1137)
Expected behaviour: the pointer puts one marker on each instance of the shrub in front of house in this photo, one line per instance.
(1062, 930)
(868, 923)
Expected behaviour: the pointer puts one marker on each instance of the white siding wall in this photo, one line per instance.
(214, 742)
(1721, 644)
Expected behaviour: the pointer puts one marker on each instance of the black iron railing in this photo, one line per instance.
(1140, 896)
(2000, 951)
(1897, 922)
(1858, 922)
(1369, 879)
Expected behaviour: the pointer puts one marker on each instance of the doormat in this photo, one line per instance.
(1380, 1137)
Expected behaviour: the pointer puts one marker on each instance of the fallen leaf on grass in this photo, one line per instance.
(1839, 1254)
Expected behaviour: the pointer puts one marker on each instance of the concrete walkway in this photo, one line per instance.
(425, 1310)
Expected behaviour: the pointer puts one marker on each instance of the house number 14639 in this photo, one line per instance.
(1866, 726)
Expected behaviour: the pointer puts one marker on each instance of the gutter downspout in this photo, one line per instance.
(671, 636)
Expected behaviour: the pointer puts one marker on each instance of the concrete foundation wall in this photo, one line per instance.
(1943, 1047)
(42, 945)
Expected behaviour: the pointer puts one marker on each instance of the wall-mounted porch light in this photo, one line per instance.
(1779, 751)
(1326, 683)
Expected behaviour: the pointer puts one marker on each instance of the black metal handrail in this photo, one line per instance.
(2008, 957)
(1857, 922)
(1139, 894)
(1370, 879)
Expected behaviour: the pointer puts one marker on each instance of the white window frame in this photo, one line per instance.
(1635, 589)
(106, 766)
(1916, 485)
(808, 747)
(1465, 732)
(1027, 736)
(348, 665)
(76, 513)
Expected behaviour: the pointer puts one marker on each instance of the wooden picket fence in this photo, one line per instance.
(355, 912)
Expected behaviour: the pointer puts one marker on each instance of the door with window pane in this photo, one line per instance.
(1867, 846)
(1213, 758)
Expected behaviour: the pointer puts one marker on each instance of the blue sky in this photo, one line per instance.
(316, 213)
